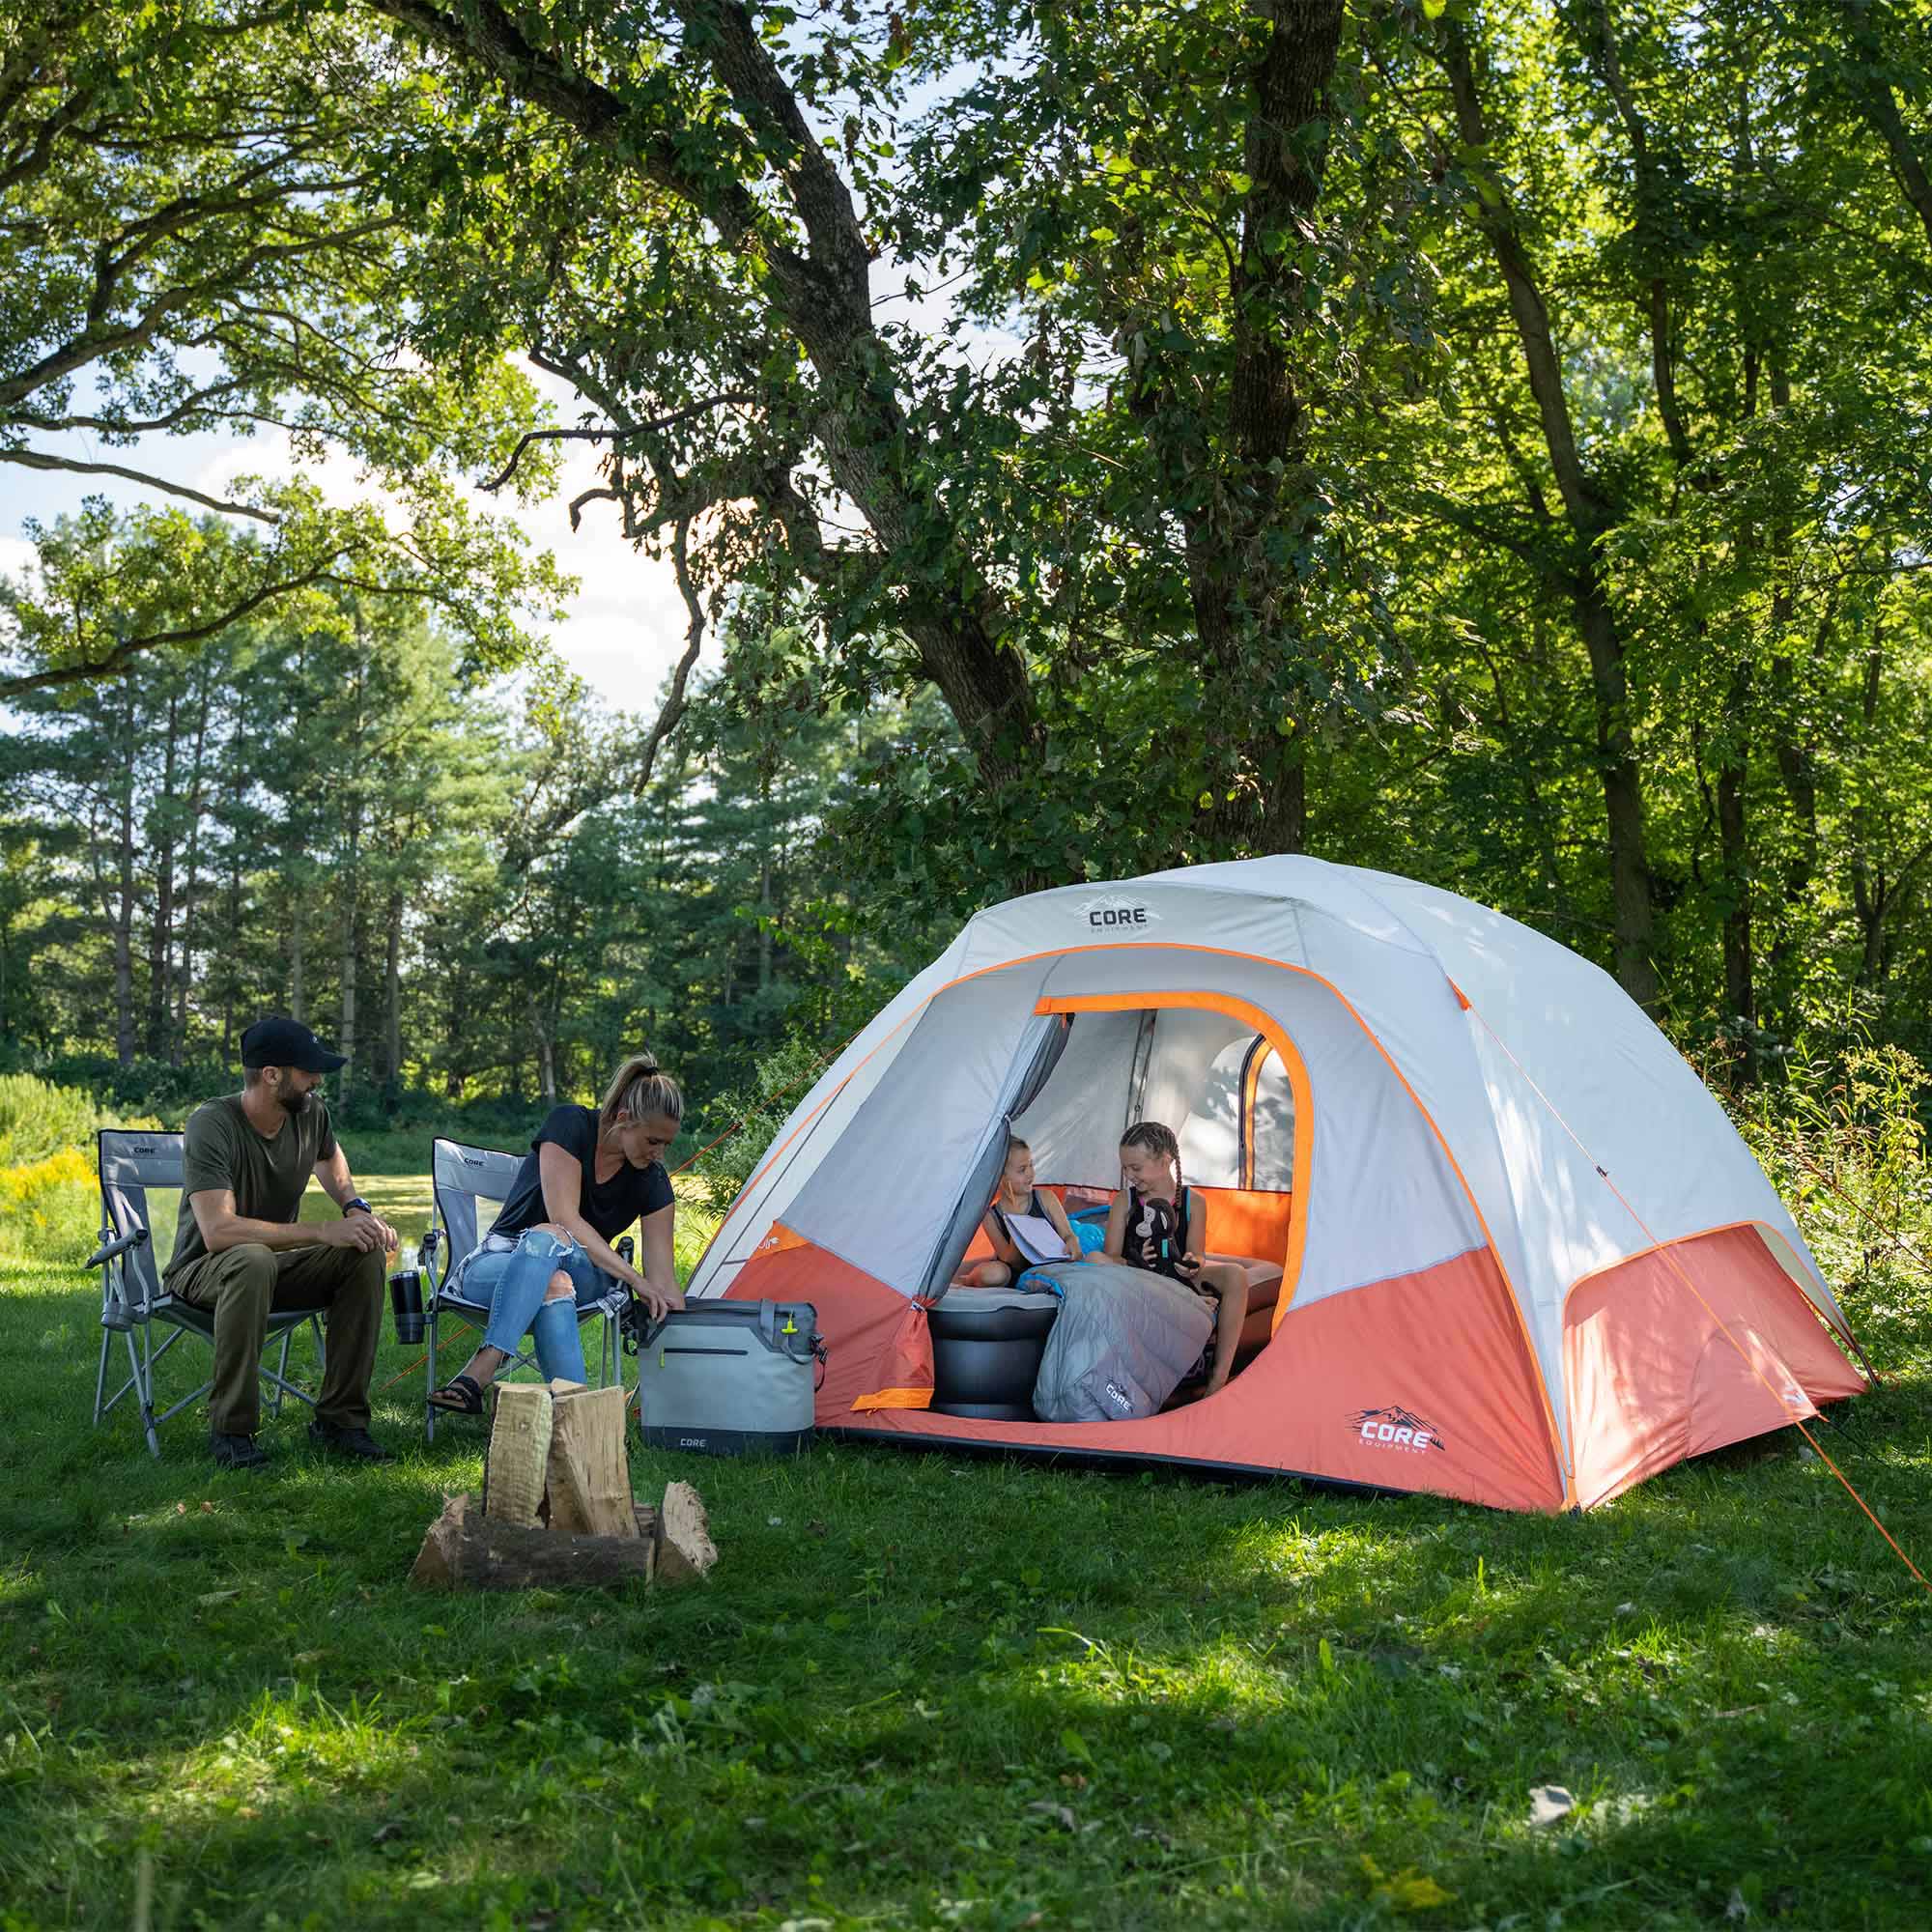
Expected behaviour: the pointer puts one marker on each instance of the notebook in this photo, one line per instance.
(1036, 1237)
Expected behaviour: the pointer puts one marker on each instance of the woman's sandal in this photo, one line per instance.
(461, 1397)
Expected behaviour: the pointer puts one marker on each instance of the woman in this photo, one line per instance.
(588, 1175)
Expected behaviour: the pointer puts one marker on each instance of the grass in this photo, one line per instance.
(928, 1691)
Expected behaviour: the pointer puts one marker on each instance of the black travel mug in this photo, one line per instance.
(406, 1300)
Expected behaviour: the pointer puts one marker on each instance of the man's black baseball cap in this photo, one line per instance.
(279, 1041)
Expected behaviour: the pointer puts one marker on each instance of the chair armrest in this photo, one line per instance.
(110, 1250)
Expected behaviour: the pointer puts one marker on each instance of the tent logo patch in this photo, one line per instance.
(1397, 1428)
(1111, 910)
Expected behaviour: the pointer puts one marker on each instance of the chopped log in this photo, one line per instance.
(519, 1454)
(686, 1552)
(589, 1466)
(466, 1549)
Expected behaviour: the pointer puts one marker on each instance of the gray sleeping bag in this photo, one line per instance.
(1124, 1340)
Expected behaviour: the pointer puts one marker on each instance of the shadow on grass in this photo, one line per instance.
(924, 1690)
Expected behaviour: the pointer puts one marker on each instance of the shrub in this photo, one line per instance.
(38, 1119)
(47, 1209)
(1843, 1142)
(751, 1118)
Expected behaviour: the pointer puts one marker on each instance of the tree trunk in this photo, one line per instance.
(161, 932)
(191, 889)
(298, 988)
(546, 1047)
(1881, 109)
(123, 915)
(392, 998)
(1733, 845)
(349, 901)
(1589, 514)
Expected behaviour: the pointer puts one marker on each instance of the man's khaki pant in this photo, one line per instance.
(242, 1283)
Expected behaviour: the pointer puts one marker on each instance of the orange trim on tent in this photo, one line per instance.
(778, 1240)
(911, 1397)
(1270, 1029)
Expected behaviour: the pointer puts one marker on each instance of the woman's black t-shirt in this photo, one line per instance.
(609, 1206)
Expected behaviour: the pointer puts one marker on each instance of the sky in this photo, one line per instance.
(623, 629)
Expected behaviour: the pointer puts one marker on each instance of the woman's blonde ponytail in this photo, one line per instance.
(640, 1090)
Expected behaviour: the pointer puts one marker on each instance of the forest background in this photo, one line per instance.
(1489, 444)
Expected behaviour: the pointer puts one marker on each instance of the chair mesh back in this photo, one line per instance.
(468, 1181)
(132, 1163)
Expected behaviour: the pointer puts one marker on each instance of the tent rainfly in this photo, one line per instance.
(1502, 1243)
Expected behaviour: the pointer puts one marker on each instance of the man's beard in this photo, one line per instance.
(294, 1100)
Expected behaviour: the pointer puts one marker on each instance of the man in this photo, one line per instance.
(240, 1253)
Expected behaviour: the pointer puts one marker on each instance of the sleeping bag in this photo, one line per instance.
(1124, 1340)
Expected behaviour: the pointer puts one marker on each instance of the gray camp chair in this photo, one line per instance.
(464, 1180)
(132, 1166)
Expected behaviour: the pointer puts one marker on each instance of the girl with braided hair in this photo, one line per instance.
(1158, 1223)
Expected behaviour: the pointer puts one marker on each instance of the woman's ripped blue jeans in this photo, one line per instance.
(516, 1284)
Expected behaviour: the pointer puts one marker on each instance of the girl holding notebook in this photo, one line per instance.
(1023, 1223)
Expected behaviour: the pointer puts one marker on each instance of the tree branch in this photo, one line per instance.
(620, 431)
(34, 459)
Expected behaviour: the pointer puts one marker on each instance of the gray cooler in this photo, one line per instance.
(730, 1377)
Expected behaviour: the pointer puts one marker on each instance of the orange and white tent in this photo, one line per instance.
(1502, 1243)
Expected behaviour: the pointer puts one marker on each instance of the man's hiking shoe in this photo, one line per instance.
(236, 1452)
(340, 1441)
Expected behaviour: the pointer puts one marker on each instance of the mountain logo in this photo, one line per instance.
(1395, 1428)
(1111, 910)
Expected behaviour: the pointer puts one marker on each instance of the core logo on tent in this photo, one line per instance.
(1112, 911)
(1395, 1429)
(1120, 1398)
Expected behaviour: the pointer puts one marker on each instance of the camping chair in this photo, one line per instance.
(463, 1178)
(132, 1165)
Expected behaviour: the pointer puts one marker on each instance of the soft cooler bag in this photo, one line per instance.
(730, 1377)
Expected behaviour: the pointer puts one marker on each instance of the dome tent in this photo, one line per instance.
(1513, 1251)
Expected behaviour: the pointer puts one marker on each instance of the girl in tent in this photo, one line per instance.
(1158, 1223)
(1017, 1194)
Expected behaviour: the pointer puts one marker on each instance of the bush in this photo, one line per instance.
(751, 1118)
(1842, 1141)
(38, 1119)
(47, 1209)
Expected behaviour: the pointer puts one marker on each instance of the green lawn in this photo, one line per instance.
(928, 1691)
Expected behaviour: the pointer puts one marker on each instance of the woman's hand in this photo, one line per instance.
(1188, 1266)
(659, 1301)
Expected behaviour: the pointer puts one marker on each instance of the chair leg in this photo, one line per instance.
(143, 1366)
(281, 1373)
(429, 1407)
(101, 1374)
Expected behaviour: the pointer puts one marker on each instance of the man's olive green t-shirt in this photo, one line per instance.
(223, 1151)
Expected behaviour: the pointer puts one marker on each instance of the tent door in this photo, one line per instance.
(1041, 1048)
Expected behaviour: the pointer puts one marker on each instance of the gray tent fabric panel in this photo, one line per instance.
(883, 1195)
(1124, 1340)
(1075, 1122)
(1210, 1130)
(1039, 1053)
(1186, 1042)
(1271, 1128)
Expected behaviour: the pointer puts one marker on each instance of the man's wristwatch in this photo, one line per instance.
(355, 1202)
